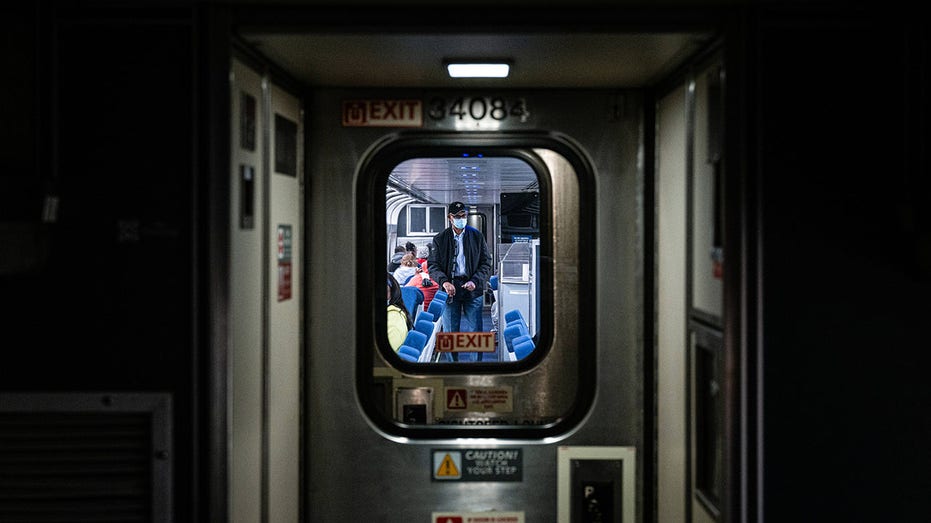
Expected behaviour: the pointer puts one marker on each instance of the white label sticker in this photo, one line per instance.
(478, 517)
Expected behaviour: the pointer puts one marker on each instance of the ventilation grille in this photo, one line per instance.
(79, 467)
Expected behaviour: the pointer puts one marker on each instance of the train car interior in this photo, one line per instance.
(649, 266)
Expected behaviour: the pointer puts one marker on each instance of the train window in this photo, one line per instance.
(423, 220)
(472, 224)
(477, 240)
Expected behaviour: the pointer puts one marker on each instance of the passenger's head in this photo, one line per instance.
(457, 214)
(395, 298)
(399, 248)
(394, 292)
(410, 247)
(408, 260)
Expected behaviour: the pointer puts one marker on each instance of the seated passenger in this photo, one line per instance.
(422, 254)
(407, 269)
(410, 248)
(422, 281)
(399, 321)
(396, 258)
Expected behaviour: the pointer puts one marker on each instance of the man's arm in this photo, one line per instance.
(483, 271)
(435, 264)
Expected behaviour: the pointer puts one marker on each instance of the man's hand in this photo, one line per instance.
(469, 286)
(449, 288)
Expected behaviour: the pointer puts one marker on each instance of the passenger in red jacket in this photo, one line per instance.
(422, 281)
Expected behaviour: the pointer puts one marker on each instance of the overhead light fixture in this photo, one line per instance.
(474, 69)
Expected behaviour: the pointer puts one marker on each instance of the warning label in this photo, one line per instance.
(478, 464)
(479, 399)
(478, 517)
(456, 399)
(447, 464)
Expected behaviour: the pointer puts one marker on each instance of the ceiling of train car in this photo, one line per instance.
(539, 60)
(471, 180)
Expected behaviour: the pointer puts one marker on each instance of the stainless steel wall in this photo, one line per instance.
(355, 472)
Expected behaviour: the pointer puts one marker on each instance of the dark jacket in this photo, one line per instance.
(477, 258)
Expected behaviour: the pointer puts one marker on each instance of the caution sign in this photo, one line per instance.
(479, 399)
(456, 399)
(447, 464)
(493, 516)
(499, 464)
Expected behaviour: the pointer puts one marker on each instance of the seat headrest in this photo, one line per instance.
(512, 315)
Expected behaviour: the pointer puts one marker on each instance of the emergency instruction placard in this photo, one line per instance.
(479, 399)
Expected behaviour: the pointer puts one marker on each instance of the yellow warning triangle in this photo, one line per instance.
(456, 401)
(447, 468)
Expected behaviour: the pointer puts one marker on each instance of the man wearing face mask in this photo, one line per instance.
(460, 263)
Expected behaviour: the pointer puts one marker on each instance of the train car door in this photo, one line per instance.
(266, 296)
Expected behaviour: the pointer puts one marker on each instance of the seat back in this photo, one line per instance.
(425, 327)
(413, 299)
(416, 339)
(513, 331)
(407, 357)
(523, 349)
(520, 339)
(407, 349)
(436, 308)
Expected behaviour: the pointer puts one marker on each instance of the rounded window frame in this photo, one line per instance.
(371, 177)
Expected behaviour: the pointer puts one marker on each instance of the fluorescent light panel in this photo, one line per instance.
(475, 70)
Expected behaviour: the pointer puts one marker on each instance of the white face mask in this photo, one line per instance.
(459, 223)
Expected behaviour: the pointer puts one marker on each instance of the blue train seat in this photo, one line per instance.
(425, 327)
(514, 314)
(413, 299)
(416, 339)
(407, 357)
(513, 331)
(436, 308)
(523, 349)
(407, 349)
